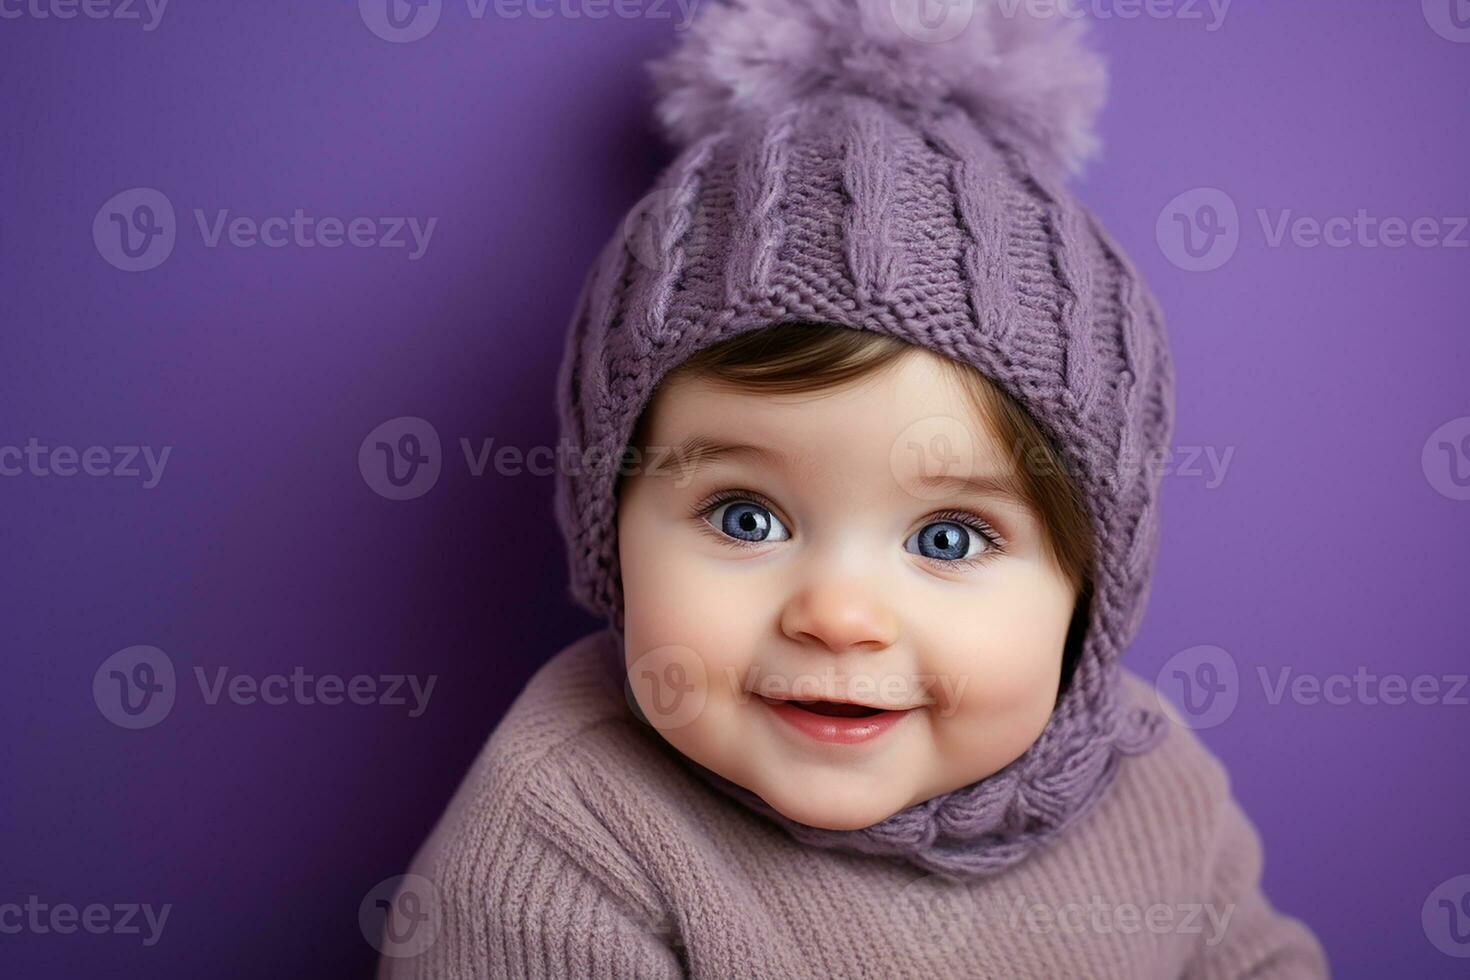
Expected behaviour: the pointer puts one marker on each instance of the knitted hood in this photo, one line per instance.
(851, 163)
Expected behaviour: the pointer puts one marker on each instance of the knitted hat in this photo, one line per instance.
(848, 162)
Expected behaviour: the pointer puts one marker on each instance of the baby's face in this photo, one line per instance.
(823, 561)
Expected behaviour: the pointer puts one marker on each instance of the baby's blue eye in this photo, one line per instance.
(746, 521)
(942, 540)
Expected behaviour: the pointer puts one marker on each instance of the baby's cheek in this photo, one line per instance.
(1005, 696)
(677, 602)
(657, 592)
(999, 668)
(670, 603)
(1010, 680)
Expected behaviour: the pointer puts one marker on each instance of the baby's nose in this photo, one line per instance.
(840, 614)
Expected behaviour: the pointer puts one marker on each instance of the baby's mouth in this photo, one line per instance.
(836, 709)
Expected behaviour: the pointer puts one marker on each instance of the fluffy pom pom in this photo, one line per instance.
(1021, 62)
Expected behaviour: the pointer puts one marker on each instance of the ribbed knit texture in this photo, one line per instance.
(845, 210)
(581, 846)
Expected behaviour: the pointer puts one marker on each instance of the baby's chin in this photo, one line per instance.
(830, 806)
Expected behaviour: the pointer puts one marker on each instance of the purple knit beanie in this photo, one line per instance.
(851, 162)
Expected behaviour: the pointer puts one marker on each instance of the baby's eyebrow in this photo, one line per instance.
(698, 450)
(1003, 485)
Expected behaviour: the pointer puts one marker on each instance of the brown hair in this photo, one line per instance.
(791, 358)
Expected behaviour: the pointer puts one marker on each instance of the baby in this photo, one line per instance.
(865, 400)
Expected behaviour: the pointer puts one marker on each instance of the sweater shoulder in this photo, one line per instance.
(527, 794)
(1164, 810)
(1181, 756)
(568, 697)
(1180, 786)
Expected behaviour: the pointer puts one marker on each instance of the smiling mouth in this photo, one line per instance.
(836, 722)
(833, 709)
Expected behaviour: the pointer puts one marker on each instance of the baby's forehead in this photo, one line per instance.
(925, 416)
(918, 385)
(934, 463)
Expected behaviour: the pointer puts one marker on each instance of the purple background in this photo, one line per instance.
(262, 548)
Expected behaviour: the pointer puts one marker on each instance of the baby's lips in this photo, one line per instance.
(901, 703)
(874, 705)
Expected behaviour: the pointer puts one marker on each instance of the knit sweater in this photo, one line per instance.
(581, 845)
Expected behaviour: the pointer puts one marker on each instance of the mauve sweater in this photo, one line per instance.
(579, 845)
